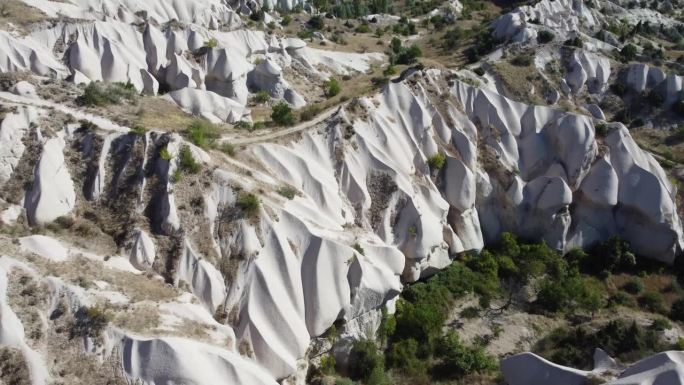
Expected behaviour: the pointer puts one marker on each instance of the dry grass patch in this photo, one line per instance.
(159, 114)
(522, 83)
(16, 13)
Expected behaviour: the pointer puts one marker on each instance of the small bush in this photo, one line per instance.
(187, 162)
(544, 37)
(635, 286)
(601, 130)
(316, 22)
(458, 359)
(390, 70)
(332, 87)
(366, 363)
(618, 89)
(227, 149)
(89, 322)
(262, 97)
(479, 71)
(359, 249)
(574, 42)
(100, 95)
(287, 19)
(243, 125)
(470, 312)
(164, 154)
(328, 364)
(203, 133)
(660, 324)
(363, 28)
(248, 203)
(309, 112)
(403, 356)
(653, 302)
(138, 130)
(521, 61)
(288, 192)
(677, 311)
(211, 43)
(282, 114)
(436, 161)
(628, 52)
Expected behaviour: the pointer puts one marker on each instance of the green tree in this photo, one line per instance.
(332, 87)
(282, 114)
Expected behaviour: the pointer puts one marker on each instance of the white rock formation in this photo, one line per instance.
(52, 192)
(142, 250)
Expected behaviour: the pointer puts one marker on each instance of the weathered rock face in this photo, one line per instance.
(530, 369)
(368, 212)
(52, 193)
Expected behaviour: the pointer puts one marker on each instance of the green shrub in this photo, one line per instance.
(654, 98)
(363, 28)
(328, 363)
(164, 154)
(545, 36)
(601, 130)
(390, 70)
(243, 125)
(286, 20)
(470, 312)
(574, 42)
(452, 38)
(628, 52)
(366, 363)
(653, 301)
(358, 248)
(288, 192)
(99, 94)
(262, 97)
(138, 130)
(187, 162)
(618, 89)
(203, 133)
(660, 324)
(458, 359)
(621, 339)
(227, 149)
(403, 355)
(89, 322)
(316, 22)
(388, 324)
(211, 43)
(436, 161)
(522, 60)
(248, 203)
(309, 112)
(479, 71)
(332, 87)
(677, 311)
(634, 286)
(282, 114)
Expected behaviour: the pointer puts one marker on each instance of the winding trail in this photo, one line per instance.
(244, 140)
(101, 122)
(107, 124)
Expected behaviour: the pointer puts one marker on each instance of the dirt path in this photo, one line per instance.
(243, 140)
(101, 122)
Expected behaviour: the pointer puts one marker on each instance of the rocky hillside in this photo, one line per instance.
(157, 227)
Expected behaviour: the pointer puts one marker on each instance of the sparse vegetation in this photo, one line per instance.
(203, 133)
(288, 192)
(99, 94)
(545, 36)
(248, 203)
(332, 87)
(262, 97)
(187, 161)
(436, 161)
(211, 43)
(282, 114)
